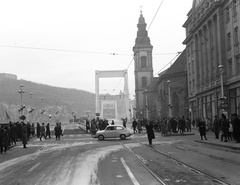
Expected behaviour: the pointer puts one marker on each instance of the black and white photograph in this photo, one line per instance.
(120, 92)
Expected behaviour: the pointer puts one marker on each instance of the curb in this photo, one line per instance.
(188, 134)
(220, 145)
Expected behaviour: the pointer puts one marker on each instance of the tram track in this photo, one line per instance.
(213, 179)
(143, 163)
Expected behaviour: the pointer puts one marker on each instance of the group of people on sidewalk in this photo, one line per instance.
(19, 131)
(15, 131)
(225, 129)
(165, 126)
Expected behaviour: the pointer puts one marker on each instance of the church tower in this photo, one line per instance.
(143, 68)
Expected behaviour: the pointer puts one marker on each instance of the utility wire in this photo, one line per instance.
(61, 50)
(73, 51)
(178, 53)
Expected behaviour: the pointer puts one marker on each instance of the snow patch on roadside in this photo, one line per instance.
(47, 148)
(86, 172)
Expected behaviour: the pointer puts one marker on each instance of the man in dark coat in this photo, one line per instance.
(13, 133)
(202, 128)
(134, 126)
(224, 128)
(3, 139)
(24, 135)
(216, 126)
(150, 132)
(236, 127)
(58, 131)
(48, 132)
(38, 130)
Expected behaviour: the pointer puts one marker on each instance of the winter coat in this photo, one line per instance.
(224, 127)
(58, 131)
(4, 137)
(150, 132)
(24, 135)
(202, 127)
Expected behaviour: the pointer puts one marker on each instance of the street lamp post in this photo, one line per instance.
(31, 109)
(146, 104)
(21, 91)
(169, 99)
(220, 67)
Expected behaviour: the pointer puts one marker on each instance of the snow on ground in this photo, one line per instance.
(46, 148)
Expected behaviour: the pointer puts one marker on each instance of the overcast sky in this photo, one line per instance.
(62, 42)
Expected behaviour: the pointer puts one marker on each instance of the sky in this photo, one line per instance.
(62, 42)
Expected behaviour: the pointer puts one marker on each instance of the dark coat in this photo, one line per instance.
(202, 127)
(24, 135)
(224, 127)
(48, 129)
(150, 132)
(4, 137)
(13, 132)
(58, 130)
(236, 128)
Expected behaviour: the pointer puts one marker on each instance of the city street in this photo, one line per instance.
(80, 159)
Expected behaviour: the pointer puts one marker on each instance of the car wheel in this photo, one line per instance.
(122, 137)
(101, 137)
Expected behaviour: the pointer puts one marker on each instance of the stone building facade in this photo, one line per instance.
(213, 63)
(172, 90)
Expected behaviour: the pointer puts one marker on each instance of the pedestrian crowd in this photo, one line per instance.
(165, 126)
(13, 132)
(96, 124)
(225, 129)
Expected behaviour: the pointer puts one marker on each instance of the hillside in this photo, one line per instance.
(53, 100)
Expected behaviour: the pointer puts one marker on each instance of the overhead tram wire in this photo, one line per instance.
(160, 5)
(178, 53)
(62, 50)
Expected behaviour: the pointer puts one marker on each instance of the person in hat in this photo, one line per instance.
(236, 127)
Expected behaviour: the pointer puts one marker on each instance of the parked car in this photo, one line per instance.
(113, 131)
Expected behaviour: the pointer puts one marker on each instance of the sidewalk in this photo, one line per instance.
(216, 142)
(210, 138)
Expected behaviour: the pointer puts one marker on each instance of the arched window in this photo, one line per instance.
(144, 82)
(143, 62)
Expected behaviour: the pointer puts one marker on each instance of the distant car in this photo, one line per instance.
(113, 131)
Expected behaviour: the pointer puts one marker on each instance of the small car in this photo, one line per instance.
(113, 131)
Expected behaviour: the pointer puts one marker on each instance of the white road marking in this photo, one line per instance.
(135, 182)
(35, 166)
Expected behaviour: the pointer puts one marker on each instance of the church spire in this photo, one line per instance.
(142, 34)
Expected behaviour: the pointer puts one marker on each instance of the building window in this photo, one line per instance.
(193, 67)
(236, 36)
(144, 82)
(230, 68)
(229, 41)
(189, 69)
(227, 15)
(234, 7)
(238, 65)
(194, 85)
(236, 42)
(143, 62)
